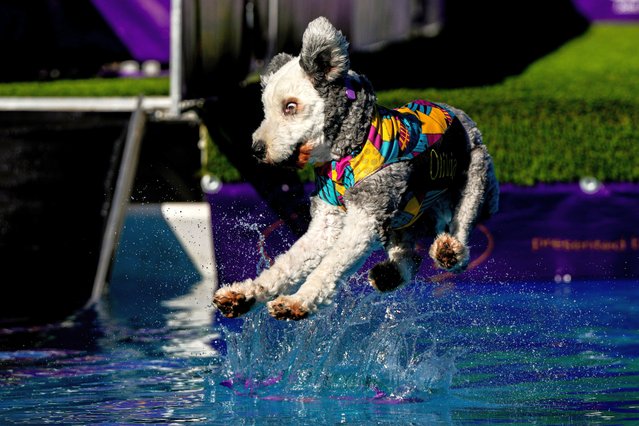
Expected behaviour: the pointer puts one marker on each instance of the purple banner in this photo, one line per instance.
(144, 26)
(609, 10)
(557, 232)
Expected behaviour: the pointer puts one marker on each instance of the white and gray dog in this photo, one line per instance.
(384, 177)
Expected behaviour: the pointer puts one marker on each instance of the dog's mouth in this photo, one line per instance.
(300, 156)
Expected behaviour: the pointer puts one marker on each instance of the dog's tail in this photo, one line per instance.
(480, 195)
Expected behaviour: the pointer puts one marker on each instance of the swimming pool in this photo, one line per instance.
(530, 335)
(520, 352)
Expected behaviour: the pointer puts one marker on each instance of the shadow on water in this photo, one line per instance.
(54, 196)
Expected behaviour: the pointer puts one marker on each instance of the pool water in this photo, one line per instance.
(445, 353)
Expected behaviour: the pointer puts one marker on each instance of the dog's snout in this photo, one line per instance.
(259, 149)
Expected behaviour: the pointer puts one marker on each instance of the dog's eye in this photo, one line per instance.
(290, 108)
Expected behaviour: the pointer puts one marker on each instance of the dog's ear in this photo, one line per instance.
(276, 63)
(324, 55)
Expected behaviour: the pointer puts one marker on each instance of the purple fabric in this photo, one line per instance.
(609, 10)
(547, 232)
(559, 232)
(142, 25)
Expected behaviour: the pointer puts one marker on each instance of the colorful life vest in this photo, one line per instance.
(399, 134)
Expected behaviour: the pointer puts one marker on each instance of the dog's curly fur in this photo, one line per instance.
(305, 106)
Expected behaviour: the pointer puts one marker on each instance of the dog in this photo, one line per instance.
(384, 177)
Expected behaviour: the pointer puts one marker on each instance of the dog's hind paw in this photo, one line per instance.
(385, 276)
(231, 303)
(285, 308)
(449, 253)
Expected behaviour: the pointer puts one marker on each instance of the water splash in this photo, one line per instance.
(256, 229)
(364, 345)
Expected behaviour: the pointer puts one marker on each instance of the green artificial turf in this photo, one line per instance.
(90, 87)
(570, 114)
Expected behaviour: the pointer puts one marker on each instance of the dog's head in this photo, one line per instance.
(309, 100)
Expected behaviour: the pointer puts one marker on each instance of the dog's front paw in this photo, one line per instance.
(385, 276)
(287, 307)
(231, 303)
(449, 253)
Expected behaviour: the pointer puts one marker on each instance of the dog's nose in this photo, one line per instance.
(259, 149)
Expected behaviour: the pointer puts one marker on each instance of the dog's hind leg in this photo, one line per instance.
(479, 194)
(402, 263)
(289, 268)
